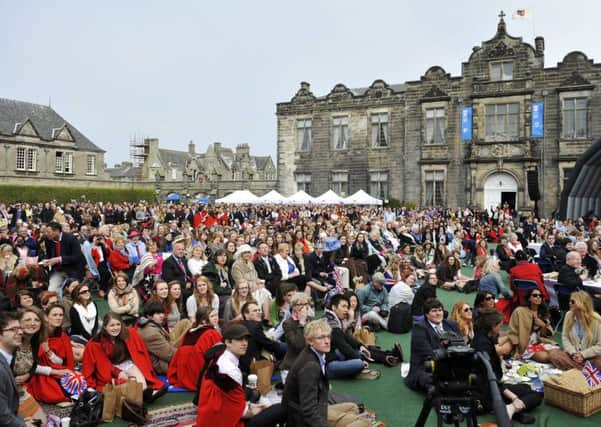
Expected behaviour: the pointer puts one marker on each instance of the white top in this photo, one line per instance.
(228, 365)
(283, 263)
(195, 266)
(191, 306)
(400, 293)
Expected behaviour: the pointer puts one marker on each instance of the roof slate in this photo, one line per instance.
(43, 118)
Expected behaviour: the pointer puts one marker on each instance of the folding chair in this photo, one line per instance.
(563, 298)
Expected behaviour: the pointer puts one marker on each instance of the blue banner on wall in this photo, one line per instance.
(466, 124)
(538, 115)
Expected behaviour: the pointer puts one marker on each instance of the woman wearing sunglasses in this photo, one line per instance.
(462, 314)
(581, 336)
(530, 333)
(83, 313)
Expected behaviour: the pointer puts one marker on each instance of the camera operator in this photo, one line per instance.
(425, 338)
(518, 397)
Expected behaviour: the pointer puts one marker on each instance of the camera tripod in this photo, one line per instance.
(449, 409)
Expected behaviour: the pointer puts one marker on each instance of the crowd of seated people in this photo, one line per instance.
(173, 283)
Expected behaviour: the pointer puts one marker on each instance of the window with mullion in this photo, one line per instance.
(20, 161)
(502, 121)
(435, 126)
(379, 130)
(340, 133)
(303, 134)
(574, 118)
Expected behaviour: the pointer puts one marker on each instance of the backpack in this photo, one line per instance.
(211, 356)
(87, 411)
(400, 320)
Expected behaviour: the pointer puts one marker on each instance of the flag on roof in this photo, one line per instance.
(521, 13)
(591, 374)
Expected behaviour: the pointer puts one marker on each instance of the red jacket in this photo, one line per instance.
(45, 388)
(527, 271)
(217, 407)
(98, 369)
(188, 361)
(118, 261)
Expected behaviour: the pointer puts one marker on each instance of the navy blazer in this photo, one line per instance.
(424, 341)
(73, 262)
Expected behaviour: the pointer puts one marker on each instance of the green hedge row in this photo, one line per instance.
(34, 194)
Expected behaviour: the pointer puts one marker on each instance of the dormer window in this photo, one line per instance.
(501, 71)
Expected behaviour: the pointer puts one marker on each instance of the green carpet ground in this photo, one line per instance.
(392, 401)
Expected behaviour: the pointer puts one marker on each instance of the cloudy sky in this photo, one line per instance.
(213, 71)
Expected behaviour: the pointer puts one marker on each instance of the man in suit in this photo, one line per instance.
(176, 268)
(550, 253)
(306, 390)
(11, 336)
(258, 341)
(18, 215)
(425, 338)
(321, 267)
(63, 254)
(268, 269)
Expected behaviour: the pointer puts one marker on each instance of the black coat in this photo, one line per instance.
(306, 392)
(319, 264)
(73, 262)
(257, 342)
(272, 280)
(424, 341)
(172, 271)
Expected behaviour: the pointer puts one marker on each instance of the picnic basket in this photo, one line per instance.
(574, 398)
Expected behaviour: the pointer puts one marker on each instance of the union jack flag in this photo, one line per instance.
(74, 383)
(591, 374)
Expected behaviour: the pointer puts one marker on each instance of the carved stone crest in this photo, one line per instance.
(575, 79)
(435, 92)
(501, 50)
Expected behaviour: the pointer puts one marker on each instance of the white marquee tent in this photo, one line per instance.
(329, 198)
(300, 198)
(272, 198)
(361, 198)
(239, 196)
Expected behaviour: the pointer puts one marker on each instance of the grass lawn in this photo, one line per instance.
(392, 401)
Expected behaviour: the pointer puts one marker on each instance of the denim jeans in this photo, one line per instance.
(344, 368)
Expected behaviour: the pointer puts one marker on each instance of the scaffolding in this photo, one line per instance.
(138, 151)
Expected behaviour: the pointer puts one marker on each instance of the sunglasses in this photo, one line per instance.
(488, 298)
(84, 291)
(467, 309)
(536, 295)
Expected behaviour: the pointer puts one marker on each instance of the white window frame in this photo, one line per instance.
(20, 158)
(63, 162)
(380, 130)
(91, 164)
(574, 131)
(434, 187)
(378, 185)
(340, 132)
(303, 182)
(499, 73)
(304, 134)
(340, 183)
(498, 123)
(31, 159)
(434, 134)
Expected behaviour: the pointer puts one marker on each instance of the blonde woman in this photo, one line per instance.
(462, 314)
(203, 296)
(197, 261)
(491, 281)
(233, 306)
(123, 299)
(581, 336)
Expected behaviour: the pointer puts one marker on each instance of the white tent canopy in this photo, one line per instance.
(329, 198)
(300, 198)
(361, 198)
(273, 198)
(239, 197)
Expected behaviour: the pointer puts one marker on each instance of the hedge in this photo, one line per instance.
(35, 194)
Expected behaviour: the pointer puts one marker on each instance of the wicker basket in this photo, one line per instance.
(578, 403)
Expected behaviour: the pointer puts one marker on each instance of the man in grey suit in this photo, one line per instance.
(11, 335)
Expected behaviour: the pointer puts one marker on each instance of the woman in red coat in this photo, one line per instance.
(119, 257)
(524, 270)
(57, 354)
(117, 353)
(188, 361)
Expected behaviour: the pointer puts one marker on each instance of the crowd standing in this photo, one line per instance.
(200, 294)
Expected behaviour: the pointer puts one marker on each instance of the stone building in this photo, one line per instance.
(39, 147)
(216, 172)
(471, 140)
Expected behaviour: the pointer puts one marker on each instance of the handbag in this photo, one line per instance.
(134, 411)
(110, 401)
(88, 409)
(130, 390)
(264, 370)
(365, 336)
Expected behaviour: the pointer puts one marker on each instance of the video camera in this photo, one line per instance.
(459, 375)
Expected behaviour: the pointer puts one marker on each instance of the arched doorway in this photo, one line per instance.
(500, 188)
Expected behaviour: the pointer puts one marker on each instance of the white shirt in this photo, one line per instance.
(7, 356)
(400, 293)
(228, 365)
(266, 260)
(437, 327)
